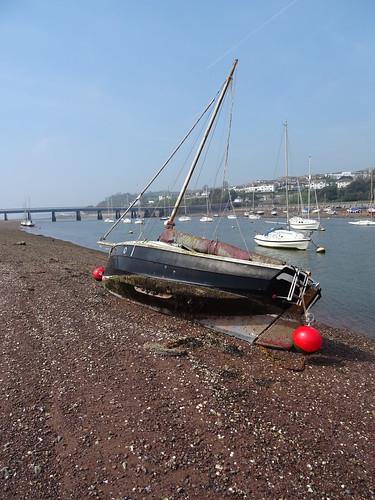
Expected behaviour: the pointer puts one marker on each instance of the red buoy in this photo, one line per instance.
(307, 339)
(98, 273)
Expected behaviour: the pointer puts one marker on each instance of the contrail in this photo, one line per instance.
(253, 32)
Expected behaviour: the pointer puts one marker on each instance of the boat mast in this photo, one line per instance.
(372, 192)
(309, 193)
(169, 224)
(286, 172)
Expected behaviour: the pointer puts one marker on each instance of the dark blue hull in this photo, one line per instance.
(192, 284)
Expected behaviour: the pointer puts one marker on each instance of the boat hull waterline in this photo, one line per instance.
(299, 223)
(363, 223)
(27, 223)
(282, 238)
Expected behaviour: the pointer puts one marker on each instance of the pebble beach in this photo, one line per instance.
(103, 398)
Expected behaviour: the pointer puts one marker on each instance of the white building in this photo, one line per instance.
(260, 188)
(339, 175)
(343, 184)
(318, 185)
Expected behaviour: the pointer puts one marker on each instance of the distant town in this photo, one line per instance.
(347, 188)
(339, 179)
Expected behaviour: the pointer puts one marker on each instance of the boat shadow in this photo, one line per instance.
(337, 353)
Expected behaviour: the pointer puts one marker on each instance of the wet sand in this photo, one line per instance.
(106, 399)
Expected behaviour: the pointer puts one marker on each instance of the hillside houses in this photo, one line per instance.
(319, 181)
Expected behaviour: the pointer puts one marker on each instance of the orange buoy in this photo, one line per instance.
(307, 339)
(98, 273)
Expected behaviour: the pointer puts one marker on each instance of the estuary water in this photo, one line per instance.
(346, 271)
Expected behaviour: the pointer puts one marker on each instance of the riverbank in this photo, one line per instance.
(94, 405)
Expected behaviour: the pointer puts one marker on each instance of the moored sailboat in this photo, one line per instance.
(305, 223)
(367, 222)
(280, 237)
(185, 217)
(198, 278)
(207, 217)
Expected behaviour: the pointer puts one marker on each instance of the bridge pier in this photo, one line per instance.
(118, 215)
(100, 215)
(53, 216)
(5, 216)
(78, 215)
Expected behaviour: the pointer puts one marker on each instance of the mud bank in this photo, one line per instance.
(103, 398)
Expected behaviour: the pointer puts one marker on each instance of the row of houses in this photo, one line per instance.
(341, 179)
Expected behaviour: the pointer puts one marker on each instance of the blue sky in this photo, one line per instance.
(96, 94)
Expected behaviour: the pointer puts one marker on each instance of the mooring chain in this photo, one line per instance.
(283, 365)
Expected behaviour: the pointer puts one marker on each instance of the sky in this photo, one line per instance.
(95, 95)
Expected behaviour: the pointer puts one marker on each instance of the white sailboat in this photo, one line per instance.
(367, 222)
(27, 221)
(109, 219)
(305, 223)
(206, 218)
(279, 237)
(254, 216)
(185, 217)
(282, 238)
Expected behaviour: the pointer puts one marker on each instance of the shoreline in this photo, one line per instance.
(322, 312)
(92, 405)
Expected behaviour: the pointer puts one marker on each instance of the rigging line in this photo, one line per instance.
(222, 160)
(190, 151)
(159, 171)
(254, 32)
(205, 154)
(226, 169)
(221, 111)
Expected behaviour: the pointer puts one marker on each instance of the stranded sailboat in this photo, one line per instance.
(195, 277)
(27, 220)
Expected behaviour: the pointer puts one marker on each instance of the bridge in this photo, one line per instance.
(5, 212)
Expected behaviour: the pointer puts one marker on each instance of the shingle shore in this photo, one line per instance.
(102, 398)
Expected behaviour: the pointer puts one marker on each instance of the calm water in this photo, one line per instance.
(346, 271)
